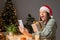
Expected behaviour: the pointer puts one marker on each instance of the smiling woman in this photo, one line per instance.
(49, 30)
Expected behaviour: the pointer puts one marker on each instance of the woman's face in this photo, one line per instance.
(43, 15)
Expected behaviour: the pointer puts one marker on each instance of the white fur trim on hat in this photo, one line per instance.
(45, 9)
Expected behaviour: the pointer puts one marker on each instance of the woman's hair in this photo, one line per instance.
(48, 17)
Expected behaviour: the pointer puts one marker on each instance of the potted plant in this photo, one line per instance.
(29, 21)
(11, 29)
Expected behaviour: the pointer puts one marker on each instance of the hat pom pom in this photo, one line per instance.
(51, 16)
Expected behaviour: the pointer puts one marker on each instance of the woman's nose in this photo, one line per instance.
(41, 14)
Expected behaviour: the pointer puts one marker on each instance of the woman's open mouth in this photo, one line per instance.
(42, 16)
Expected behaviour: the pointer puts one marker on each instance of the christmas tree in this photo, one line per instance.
(1, 24)
(29, 20)
(8, 14)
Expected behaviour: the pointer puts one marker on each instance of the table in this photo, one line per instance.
(17, 37)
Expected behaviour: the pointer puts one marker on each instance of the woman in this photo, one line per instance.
(49, 30)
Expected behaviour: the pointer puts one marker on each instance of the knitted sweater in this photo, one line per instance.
(49, 31)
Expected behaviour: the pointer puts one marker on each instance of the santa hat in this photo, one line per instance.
(47, 9)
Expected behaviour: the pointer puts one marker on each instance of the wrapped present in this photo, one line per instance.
(36, 26)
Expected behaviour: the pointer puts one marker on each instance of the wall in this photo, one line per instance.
(24, 7)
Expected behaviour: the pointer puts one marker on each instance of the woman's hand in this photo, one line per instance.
(24, 31)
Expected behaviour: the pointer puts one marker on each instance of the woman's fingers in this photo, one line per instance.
(21, 29)
(26, 30)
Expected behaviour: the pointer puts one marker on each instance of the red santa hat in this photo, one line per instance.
(47, 9)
